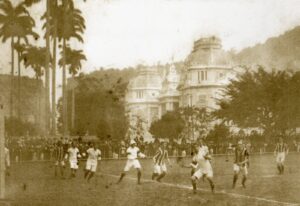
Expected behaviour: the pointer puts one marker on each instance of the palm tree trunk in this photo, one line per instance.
(38, 115)
(19, 83)
(64, 92)
(12, 78)
(73, 109)
(54, 85)
(47, 78)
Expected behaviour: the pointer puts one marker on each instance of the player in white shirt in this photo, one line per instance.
(7, 161)
(204, 169)
(73, 153)
(133, 152)
(94, 155)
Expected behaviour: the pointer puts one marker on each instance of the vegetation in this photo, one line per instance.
(265, 100)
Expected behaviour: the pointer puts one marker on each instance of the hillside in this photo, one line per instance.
(282, 52)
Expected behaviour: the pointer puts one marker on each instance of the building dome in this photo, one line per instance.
(208, 51)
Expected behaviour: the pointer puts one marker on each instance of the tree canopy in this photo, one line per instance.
(266, 100)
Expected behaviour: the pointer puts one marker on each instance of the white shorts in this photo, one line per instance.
(73, 164)
(61, 163)
(91, 165)
(238, 169)
(132, 163)
(201, 172)
(280, 157)
(159, 168)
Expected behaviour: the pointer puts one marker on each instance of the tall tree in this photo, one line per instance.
(35, 58)
(15, 23)
(73, 58)
(72, 25)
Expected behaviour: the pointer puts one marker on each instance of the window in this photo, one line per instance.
(202, 76)
(139, 94)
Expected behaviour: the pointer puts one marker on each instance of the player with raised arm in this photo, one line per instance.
(281, 150)
(160, 168)
(241, 163)
(94, 155)
(201, 161)
(73, 153)
(59, 158)
(133, 152)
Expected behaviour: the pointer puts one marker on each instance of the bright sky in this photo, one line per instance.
(123, 33)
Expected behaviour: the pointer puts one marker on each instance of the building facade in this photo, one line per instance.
(208, 69)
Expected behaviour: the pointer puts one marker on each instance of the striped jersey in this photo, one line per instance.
(59, 153)
(241, 155)
(281, 147)
(160, 156)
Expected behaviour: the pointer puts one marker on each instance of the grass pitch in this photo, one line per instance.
(33, 183)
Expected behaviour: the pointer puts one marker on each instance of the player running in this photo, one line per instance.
(160, 169)
(73, 152)
(281, 150)
(92, 161)
(133, 152)
(59, 158)
(201, 161)
(241, 163)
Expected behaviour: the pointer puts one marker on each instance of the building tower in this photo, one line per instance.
(208, 71)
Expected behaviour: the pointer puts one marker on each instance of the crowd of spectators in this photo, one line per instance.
(41, 148)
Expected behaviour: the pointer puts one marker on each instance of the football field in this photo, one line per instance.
(33, 183)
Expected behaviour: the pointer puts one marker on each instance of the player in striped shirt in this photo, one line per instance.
(281, 150)
(241, 163)
(59, 159)
(160, 169)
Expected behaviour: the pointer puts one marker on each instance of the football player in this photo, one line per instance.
(133, 152)
(281, 150)
(241, 162)
(160, 168)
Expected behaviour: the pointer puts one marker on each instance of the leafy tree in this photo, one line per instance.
(264, 100)
(15, 23)
(169, 126)
(219, 133)
(17, 127)
(197, 122)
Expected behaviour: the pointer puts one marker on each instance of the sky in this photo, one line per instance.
(122, 33)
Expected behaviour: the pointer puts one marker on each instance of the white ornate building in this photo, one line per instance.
(208, 69)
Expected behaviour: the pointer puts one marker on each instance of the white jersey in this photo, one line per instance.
(132, 153)
(93, 154)
(7, 158)
(73, 153)
(200, 157)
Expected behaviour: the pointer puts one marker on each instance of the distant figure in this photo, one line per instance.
(59, 159)
(133, 152)
(94, 155)
(73, 152)
(160, 168)
(7, 161)
(281, 150)
(241, 163)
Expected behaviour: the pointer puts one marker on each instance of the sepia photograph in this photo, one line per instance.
(149, 102)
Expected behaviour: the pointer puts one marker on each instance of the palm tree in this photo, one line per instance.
(56, 29)
(73, 59)
(35, 58)
(71, 25)
(16, 23)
